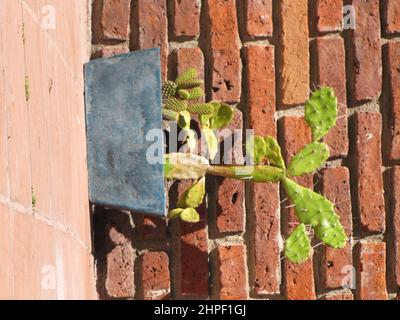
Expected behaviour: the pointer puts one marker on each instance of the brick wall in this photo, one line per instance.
(45, 238)
(264, 56)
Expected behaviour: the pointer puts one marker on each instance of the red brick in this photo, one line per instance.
(339, 296)
(153, 28)
(336, 187)
(334, 75)
(120, 276)
(371, 276)
(294, 42)
(260, 81)
(151, 228)
(299, 278)
(259, 18)
(109, 52)
(394, 76)
(115, 19)
(190, 58)
(365, 62)
(329, 15)
(186, 18)
(155, 276)
(231, 272)
(371, 205)
(193, 253)
(392, 16)
(230, 192)
(265, 203)
(395, 196)
(265, 239)
(225, 50)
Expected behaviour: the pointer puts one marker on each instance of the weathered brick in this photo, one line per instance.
(365, 62)
(193, 253)
(225, 50)
(265, 203)
(331, 72)
(368, 161)
(155, 278)
(339, 296)
(190, 58)
(120, 276)
(231, 272)
(115, 19)
(186, 18)
(259, 18)
(260, 81)
(336, 187)
(371, 275)
(395, 217)
(265, 239)
(109, 52)
(394, 76)
(329, 15)
(230, 192)
(152, 28)
(294, 61)
(299, 278)
(392, 16)
(151, 228)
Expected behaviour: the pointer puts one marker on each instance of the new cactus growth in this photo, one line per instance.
(312, 209)
(298, 247)
(321, 112)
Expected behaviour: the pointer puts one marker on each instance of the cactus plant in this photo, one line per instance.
(321, 112)
(312, 209)
(298, 247)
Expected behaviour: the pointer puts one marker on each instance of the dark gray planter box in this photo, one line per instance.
(123, 103)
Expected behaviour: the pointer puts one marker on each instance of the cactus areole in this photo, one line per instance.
(314, 211)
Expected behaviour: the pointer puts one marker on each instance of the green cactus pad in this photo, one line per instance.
(321, 112)
(254, 173)
(184, 94)
(190, 215)
(196, 93)
(221, 117)
(185, 166)
(194, 196)
(315, 210)
(273, 152)
(169, 90)
(309, 159)
(255, 148)
(184, 120)
(188, 80)
(201, 108)
(176, 213)
(175, 104)
(212, 142)
(261, 148)
(298, 245)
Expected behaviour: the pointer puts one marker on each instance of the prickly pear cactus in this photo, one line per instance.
(185, 166)
(309, 159)
(298, 247)
(315, 210)
(321, 112)
(188, 79)
(175, 104)
(180, 100)
(261, 148)
(201, 108)
(169, 90)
